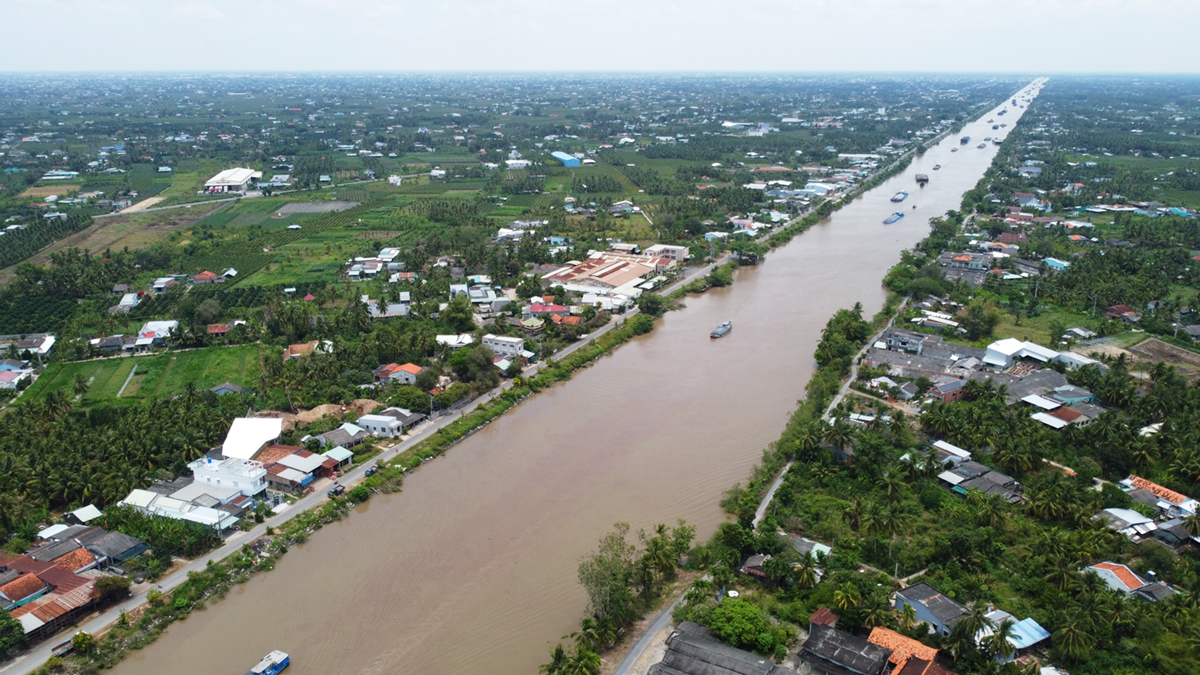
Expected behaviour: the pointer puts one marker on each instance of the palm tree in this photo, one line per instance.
(997, 644)
(908, 617)
(975, 620)
(558, 661)
(582, 662)
(1072, 640)
(80, 385)
(892, 484)
(848, 599)
(806, 572)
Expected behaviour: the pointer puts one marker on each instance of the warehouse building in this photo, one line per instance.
(232, 180)
(567, 160)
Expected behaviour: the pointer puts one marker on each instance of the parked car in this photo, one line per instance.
(371, 471)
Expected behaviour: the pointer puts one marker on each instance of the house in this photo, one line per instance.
(83, 515)
(128, 301)
(109, 547)
(315, 346)
(248, 435)
(162, 284)
(504, 346)
(931, 607)
(1169, 502)
(1173, 533)
(1120, 578)
(156, 333)
(804, 546)
(829, 651)
(948, 390)
(1123, 313)
(347, 436)
(11, 379)
(38, 344)
(246, 476)
(11, 364)
(902, 648)
(228, 388)
(1025, 633)
(206, 277)
(389, 422)
(692, 650)
(1127, 522)
(823, 617)
(163, 506)
(754, 566)
(405, 374)
(455, 342)
(969, 475)
(677, 253)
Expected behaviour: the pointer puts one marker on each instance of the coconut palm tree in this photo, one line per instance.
(997, 645)
(558, 661)
(805, 575)
(1072, 639)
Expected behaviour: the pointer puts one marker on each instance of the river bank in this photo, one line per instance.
(533, 488)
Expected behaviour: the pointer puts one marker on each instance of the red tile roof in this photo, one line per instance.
(823, 617)
(22, 587)
(902, 647)
(1158, 490)
(75, 560)
(1066, 414)
(218, 328)
(275, 452)
(411, 368)
(1124, 574)
(205, 276)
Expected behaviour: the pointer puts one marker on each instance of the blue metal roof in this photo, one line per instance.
(1028, 632)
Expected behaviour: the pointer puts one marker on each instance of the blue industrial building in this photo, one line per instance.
(566, 159)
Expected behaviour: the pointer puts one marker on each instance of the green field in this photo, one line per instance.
(158, 375)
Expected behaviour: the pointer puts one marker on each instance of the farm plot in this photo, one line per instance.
(314, 207)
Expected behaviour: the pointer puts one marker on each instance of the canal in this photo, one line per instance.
(471, 569)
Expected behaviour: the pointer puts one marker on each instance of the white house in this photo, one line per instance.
(455, 341)
(244, 475)
(676, 253)
(154, 504)
(504, 346)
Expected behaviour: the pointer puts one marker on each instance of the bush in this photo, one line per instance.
(359, 494)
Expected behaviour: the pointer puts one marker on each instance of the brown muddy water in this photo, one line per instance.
(471, 569)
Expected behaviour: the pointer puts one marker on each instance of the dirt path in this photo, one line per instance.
(142, 205)
(360, 406)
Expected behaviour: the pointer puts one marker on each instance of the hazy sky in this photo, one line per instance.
(1043, 36)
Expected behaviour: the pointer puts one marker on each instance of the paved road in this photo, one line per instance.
(648, 638)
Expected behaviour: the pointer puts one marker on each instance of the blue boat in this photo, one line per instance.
(900, 196)
(893, 218)
(271, 664)
(722, 330)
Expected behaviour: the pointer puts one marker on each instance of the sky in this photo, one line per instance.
(1027, 36)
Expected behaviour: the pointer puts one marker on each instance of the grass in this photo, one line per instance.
(158, 375)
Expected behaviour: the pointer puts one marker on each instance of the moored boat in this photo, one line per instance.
(922, 179)
(271, 664)
(722, 330)
(981, 146)
(936, 167)
(964, 140)
(900, 196)
(893, 218)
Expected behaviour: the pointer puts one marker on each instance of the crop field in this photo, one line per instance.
(313, 259)
(158, 375)
(147, 181)
(315, 207)
(50, 190)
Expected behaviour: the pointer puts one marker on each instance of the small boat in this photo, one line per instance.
(900, 196)
(936, 167)
(722, 330)
(981, 146)
(893, 218)
(922, 179)
(964, 140)
(995, 126)
(271, 664)
(953, 149)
